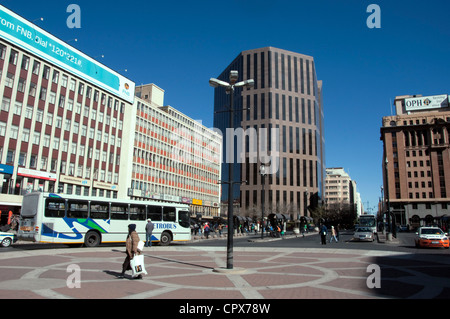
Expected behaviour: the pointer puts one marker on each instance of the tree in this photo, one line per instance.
(336, 214)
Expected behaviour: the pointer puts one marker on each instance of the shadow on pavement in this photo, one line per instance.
(179, 262)
(415, 276)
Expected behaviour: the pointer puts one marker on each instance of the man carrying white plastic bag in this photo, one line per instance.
(134, 261)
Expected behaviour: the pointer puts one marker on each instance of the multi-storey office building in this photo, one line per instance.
(61, 117)
(78, 129)
(337, 186)
(281, 126)
(341, 192)
(174, 157)
(416, 159)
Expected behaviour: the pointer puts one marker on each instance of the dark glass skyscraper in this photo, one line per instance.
(278, 122)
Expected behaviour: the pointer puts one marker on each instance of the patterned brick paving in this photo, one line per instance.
(186, 272)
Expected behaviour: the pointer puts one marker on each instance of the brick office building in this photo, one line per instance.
(416, 160)
(61, 116)
(71, 125)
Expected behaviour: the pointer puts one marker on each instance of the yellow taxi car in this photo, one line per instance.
(431, 237)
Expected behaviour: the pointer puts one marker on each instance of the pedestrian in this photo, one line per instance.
(131, 249)
(196, 229)
(272, 231)
(278, 231)
(206, 230)
(323, 234)
(220, 229)
(148, 233)
(333, 234)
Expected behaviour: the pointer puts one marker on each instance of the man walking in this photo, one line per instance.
(323, 234)
(148, 233)
(206, 230)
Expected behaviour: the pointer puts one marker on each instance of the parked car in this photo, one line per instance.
(363, 233)
(6, 239)
(431, 237)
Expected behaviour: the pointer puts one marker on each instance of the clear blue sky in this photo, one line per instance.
(179, 45)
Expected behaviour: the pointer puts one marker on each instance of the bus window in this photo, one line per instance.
(55, 207)
(137, 212)
(169, 214)
(119, 211)
(154, 213)
(99, 210)
(77, 209)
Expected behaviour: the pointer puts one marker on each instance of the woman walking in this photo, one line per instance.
(333, 234)
(132, 250)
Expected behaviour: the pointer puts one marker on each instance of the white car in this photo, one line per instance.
(363, 233)
(6, 239)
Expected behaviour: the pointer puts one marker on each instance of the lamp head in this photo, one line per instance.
(233, 76)
(247, 83)
(216, 83)
(262, 169)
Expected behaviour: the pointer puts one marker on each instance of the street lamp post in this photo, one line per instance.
(388, 216)
(262, 171)
(382, 210)
(229, 87)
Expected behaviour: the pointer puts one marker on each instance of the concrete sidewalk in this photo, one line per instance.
(251, 236)
(183, 272)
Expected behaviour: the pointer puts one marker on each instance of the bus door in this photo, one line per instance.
(99, 212)
(138, 217)
(119, 222)
(54, 211)
(155, 214)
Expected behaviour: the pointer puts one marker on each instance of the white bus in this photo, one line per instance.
(71, 219)
(369, 221)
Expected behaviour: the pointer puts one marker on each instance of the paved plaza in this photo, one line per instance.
(185, 272)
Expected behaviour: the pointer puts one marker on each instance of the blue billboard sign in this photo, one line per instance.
(6, 169)
(41, 43)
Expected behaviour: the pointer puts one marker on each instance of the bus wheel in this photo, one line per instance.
(92, 239)
(165, 239)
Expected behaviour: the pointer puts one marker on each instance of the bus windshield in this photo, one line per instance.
(368, 222)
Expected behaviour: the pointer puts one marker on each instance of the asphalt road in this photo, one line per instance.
(403, 243)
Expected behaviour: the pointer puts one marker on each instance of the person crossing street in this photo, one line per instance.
(148, 233)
